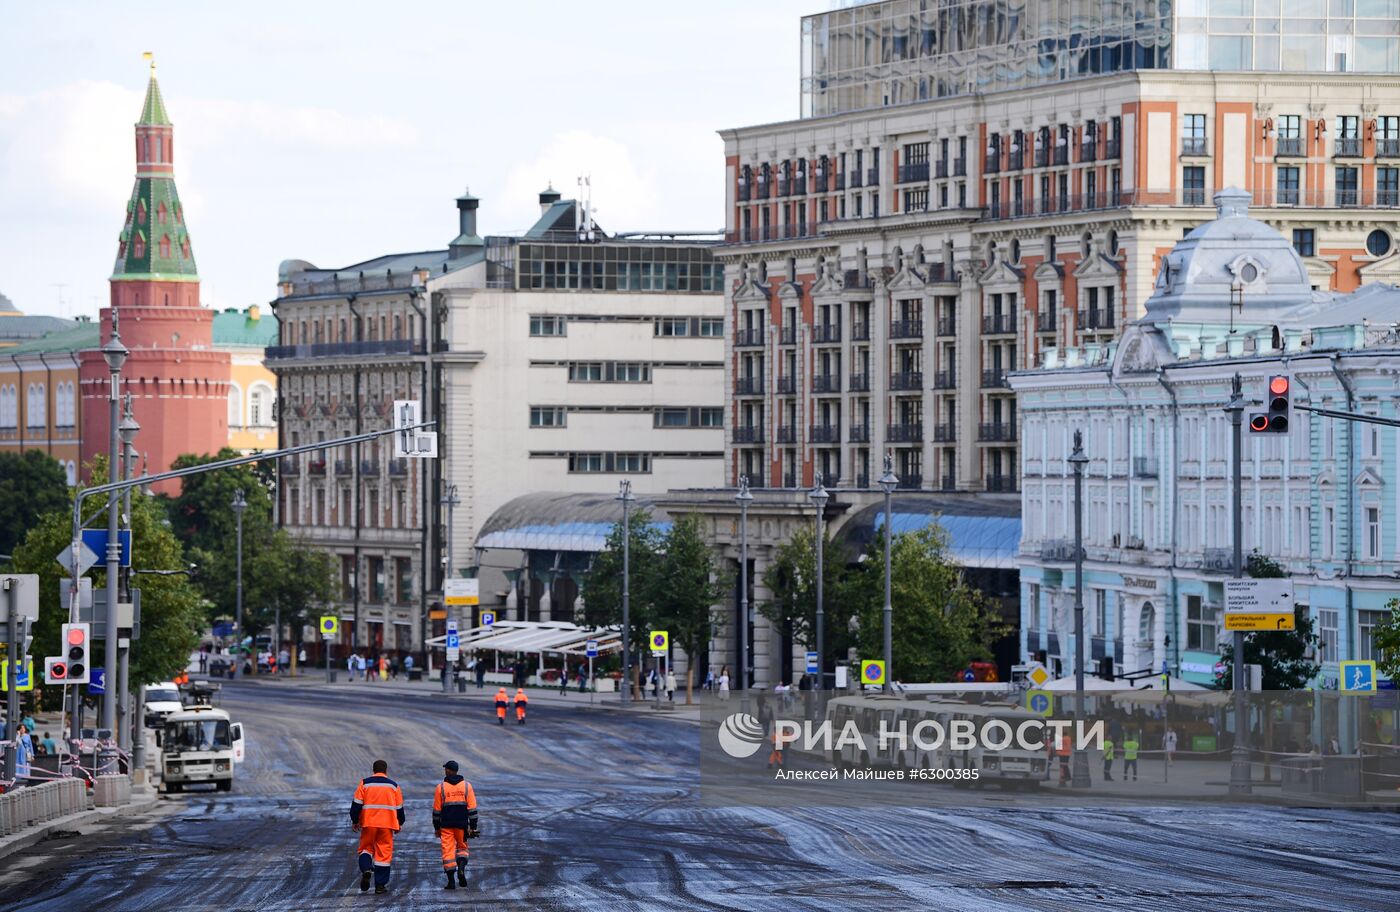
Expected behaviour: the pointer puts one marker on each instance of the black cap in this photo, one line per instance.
(450, 766)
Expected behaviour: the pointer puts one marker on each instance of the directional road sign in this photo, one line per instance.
(1358, 677)
(488, 618)
(591, 647)
(872, 672)
(811, 663)
(1040, 702)
(1259, 604)
(461, 592)
(330, 625)
(659, 640)
(96, 540)
(23, 681)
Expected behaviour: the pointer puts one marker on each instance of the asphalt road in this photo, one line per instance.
(598, 810)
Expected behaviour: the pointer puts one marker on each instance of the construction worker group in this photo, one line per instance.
(376, 812)
(503, 701)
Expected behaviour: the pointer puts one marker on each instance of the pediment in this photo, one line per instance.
(1326, 478)
(1142, 350)
(1098, 266)
(1002, 273)
(1049, 272)
(906, 279)
(1367, 478)
(1386, 269)
(752, 290)
(789, 291)
(827, 282)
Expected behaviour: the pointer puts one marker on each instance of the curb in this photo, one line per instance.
(21, 841)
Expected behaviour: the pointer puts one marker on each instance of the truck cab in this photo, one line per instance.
(200, 744)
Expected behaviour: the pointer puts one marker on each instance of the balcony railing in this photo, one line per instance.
(398, 466)
(1291, 146)
(940, 169)
(288, 465)
(787, 335)
(908, 481)
(858, 433)
(991, 164)
(369, 467)
(1145, 466)
(857, 180)
(862, 480)
(344, 467)
(872, 177)
(998, 324)
(1061, 155)
(948, 483)
(945, 380)
(996, 432)
(1096, 319)
(748, 386)
(860, 332)
(1193, 196)
(907, 380)
(1045, 321)
(960, 167)
(1042, 158)
(751, 433)
(905, 433)
(1017, 161)
(824, 433)
(786, 434)
(831, 479)
(1348, 198)
(1348, 147)
(860, 383)
(1001, 484)
(945, 433)
(994, 379)
(829, 333)
(826, 383)
(783, 186)
(743, 192)
(799, 186)
(789, 479)
(785, 386)
(1388, 147)
(315, 467)
(344, 349)
(748, 338)
(1286, 196)
(909, 174)
(946, 326)
(1193, 145)
(841, 182)
(907, 329)
(1088, 151)
(1112, 149)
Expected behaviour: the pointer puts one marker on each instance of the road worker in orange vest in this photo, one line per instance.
(521, 703)
(502, 701)
(377, 813)
(454, 821)
(1062, 752)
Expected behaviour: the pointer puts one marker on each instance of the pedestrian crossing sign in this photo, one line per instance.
(1359, 677)
(872, 672)
(24, 679)
(660, 641)
(330, 626)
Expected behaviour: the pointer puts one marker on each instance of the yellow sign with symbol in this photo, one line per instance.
(1038, 676)
(25, 680)
(872, 671)
(1240, 621)
(660, 641)
(1040, 702)
(330, 625)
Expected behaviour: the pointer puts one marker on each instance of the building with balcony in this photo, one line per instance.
(986, 180)
(1233, 297)
(562, 360)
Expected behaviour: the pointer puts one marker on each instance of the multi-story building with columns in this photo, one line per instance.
(974, 182)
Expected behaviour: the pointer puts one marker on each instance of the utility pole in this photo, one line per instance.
(128, 723)
(1079, 761)
(12, 686)
(239, 505)
(744, 497)
(624, 494)
(888, 481)
(1239, 755)
(819, 497)
(115, 354)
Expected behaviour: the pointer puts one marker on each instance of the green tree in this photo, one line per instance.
(171, 615)
(939, 622)
(1280, 654)
(1387, 640)
(792, 578)
(602, 589)
(31, 484)
(687, 587)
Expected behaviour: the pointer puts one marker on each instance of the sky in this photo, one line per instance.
(335, 132)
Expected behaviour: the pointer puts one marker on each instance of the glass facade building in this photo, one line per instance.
(903, 51)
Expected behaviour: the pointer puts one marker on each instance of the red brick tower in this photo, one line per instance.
(179, 384)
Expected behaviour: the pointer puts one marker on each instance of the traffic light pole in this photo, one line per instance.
(1239, 755)
(12, 682)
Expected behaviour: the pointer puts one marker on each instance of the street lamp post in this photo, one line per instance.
(744, 497)
(624, 494)
(115, 354)
(888, 481)
(819, 498)
(1239, 754)
(239, 505)
(126, 724)
(1079, 762)
(450, 500)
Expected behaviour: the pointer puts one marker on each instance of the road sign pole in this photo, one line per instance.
(12, 684)
(1239, 754)
(326, 642)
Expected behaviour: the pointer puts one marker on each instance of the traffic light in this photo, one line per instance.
(55, 670)
(1275, 420)
(77, 648)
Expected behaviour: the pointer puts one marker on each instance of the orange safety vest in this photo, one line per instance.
(520, 697)
(1062, 746)
(454, 805)
(378, 803)
(502, 698)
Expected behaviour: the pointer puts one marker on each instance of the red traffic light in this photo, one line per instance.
(59, 670)
(76, 635)
(1259, 422)
(1278, 386)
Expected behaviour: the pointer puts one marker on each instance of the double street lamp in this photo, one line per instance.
(819, 497)
(744, 497)
(888, 482)
(624, 494)
(239, 505)
(115, 354)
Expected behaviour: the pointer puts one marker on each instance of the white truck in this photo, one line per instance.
(200, 744)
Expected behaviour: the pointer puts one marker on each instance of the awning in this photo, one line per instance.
(982, 533)
(556, 638)
(560, 522)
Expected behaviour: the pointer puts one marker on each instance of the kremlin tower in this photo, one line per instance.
(178, 382)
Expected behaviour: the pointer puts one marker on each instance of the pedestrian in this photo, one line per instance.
(582, 678)
(203, 660)
(284, 658)
(1062, 751)
(480, 675)
(24, 754)
(1169, 744)
(1130, 753)
(670, 686)
(724, 683)
(383, 667)
(564, 679)
(376, 813)
(350, 662)
(454, 822)
(502, 700)
(709, 680)
(521, 702)
(776, 755)
(48, 744)
(301, 656)
(408, 665)
(1108, 760)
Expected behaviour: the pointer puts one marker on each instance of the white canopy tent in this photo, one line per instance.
(538, 638)
(1099, 685)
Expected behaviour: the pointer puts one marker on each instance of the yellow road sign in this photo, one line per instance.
(330, 625)
(463, 592)
(872, 671)
(1038, 676)
(660, 640)
(1040, 702)
(26, 677)
(1239, 621)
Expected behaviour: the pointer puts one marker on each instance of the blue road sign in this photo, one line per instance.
(592, 649)
(1040, 703)
(96, 540)
(97, 682)
(453, 642)
(1358, 677)
(811, 663)
(488, 618)
(968, 676)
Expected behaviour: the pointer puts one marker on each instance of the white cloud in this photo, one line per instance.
(624, 195)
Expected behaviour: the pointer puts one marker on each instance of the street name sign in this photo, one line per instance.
(1259, 604)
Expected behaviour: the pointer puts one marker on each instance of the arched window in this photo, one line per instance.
(141, 212)
(260, 405)
(164, 244)
(36, 408)
(9, 413)
(235, 406)
(71, 469)
(138, 247)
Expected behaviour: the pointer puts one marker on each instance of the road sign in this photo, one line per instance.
(86, 558)
(1358, 676)
(23, 681)
(1259, 604)
(461, 592)
(591, 648)
(969, 676)
(660, 640)
(812, 663)
(454, 645)
(330, 625)
(872, 672)
(97, 681)
(1038, 675)
(412, 441)
(84, 592)
(95, 613)
(23, 590)
(488, 618)
(96, 541)
(1040, 702)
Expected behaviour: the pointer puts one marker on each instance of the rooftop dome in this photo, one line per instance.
(1195, 280)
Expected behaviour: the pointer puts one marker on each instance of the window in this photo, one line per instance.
(260, 406)
(1366, 624)
(631, 372)
(1287, 186)
(1193, 185)
(672, 326)
(403, 577)
(1304, 241)
(1378, 243)
(1348, 134)
(1101, 612)
(633, 462)
(235, 406)
(1201, 625)
(1290, 126)
(546, 326)
(9, 407)
(1327, 634)
(712, 326)
(1329, 530)
(546, 417)
(377, 582)
(347, 577)
(1346, 186)
(712, 417)
(916, 200)
(1388, 186)
(36, 408)
(585, 462)
(1193, 134)
(1373, 533)
(586, 372)
(676, 417)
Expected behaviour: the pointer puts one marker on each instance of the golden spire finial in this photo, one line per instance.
(147, 55)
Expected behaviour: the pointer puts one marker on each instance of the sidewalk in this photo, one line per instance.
(143, 799)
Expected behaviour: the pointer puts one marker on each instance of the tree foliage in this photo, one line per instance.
(1387, 641)
(602, 590)
(31, 485)
(792, 578)
(687, 587)
(171, 616)
(1280, 654)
